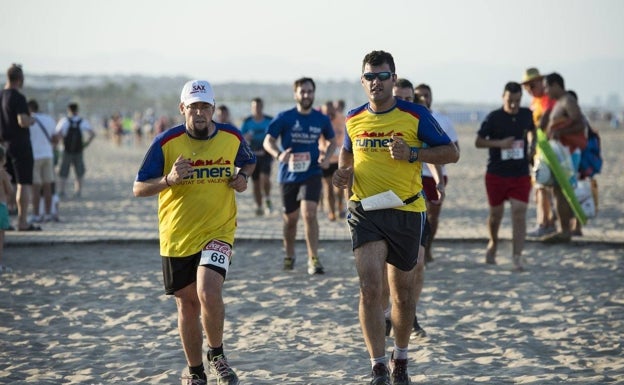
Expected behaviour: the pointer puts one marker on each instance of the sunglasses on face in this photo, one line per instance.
(370, 76)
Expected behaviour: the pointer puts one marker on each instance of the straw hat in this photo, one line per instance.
(531, 74)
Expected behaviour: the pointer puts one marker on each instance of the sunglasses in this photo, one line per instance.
(370, 76)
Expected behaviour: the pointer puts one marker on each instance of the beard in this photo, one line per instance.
(306, 103)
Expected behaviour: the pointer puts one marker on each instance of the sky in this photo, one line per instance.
(466, 50)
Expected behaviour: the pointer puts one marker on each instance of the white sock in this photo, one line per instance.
(400, 353)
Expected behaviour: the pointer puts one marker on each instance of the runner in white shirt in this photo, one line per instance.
(430, 185)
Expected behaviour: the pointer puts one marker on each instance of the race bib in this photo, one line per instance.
(299, 162)
(216, 253)
(515, 152)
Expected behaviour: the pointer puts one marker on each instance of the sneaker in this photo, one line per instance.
(5, 269)
(399, 374)
(380, 375)
(540, 231)
(259, 212)
(221, 369)
(269, 206)
(388, 327)
(192, 379)
(418, 330)
(35, 218)
(314, 266)
(289, 263)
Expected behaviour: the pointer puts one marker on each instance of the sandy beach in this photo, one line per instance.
(85, 304)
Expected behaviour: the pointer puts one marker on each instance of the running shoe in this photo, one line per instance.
(314, 266)
(220, 367)
(418, 330)
(540, 231)
(289, 263)
(192, 379)
(398, 370)
(380, 375)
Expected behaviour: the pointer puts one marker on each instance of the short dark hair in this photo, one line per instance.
(302, 80)
(223, 107)
(513, 87)
(15, 72)
(377, 58)
(258, 100)
(423, 86)
(403, 83)
(73, 107)
(555, 78)
(33, 105)
(574, 95)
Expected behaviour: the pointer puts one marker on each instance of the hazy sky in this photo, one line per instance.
(466, 50)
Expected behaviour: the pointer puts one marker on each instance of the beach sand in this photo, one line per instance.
(85, 303)
(96, 314)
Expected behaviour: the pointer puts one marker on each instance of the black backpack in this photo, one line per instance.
(72, 142)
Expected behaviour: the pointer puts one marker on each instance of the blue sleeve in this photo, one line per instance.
(153, 163)
(244, 155)
(429, 131)
(346, 143)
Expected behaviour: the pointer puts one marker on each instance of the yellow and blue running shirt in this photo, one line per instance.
(203, 206)
(368, 136)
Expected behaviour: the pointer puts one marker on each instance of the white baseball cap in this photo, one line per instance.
(197, 91)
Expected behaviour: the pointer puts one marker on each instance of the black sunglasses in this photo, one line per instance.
(370, 76)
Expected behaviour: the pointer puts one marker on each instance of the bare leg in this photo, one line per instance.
(290, 232)
(23, 200)
(370, 259)
(189, 325)
(494, 220)
(310, 224)
(518, 223)
(209, 291)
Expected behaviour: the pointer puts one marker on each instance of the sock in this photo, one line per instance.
(215, 352)
(198, 371)
(378, 360)
(400, 353)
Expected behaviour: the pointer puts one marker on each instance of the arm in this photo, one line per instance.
(438, 176)
(181, 169)
(329, 150)
(25, 120)
(482, 142)
(343, 176)
(270, 145)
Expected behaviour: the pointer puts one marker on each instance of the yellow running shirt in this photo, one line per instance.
(368, 135)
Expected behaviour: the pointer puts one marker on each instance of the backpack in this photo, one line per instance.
(591, 158)
(72, 142)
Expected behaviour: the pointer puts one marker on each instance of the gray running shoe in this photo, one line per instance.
(540, 231)
(380, 375)
(220, 367)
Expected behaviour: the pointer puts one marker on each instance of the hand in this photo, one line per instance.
(399, 150)
(342, 177)
(507, 142)
(238, 183)
(441, 194)
(182, 168)
(284, 155)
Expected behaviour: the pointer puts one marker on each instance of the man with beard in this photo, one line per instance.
(300, 168)
(196, 168)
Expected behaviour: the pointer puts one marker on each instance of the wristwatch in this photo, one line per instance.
(413, 154)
